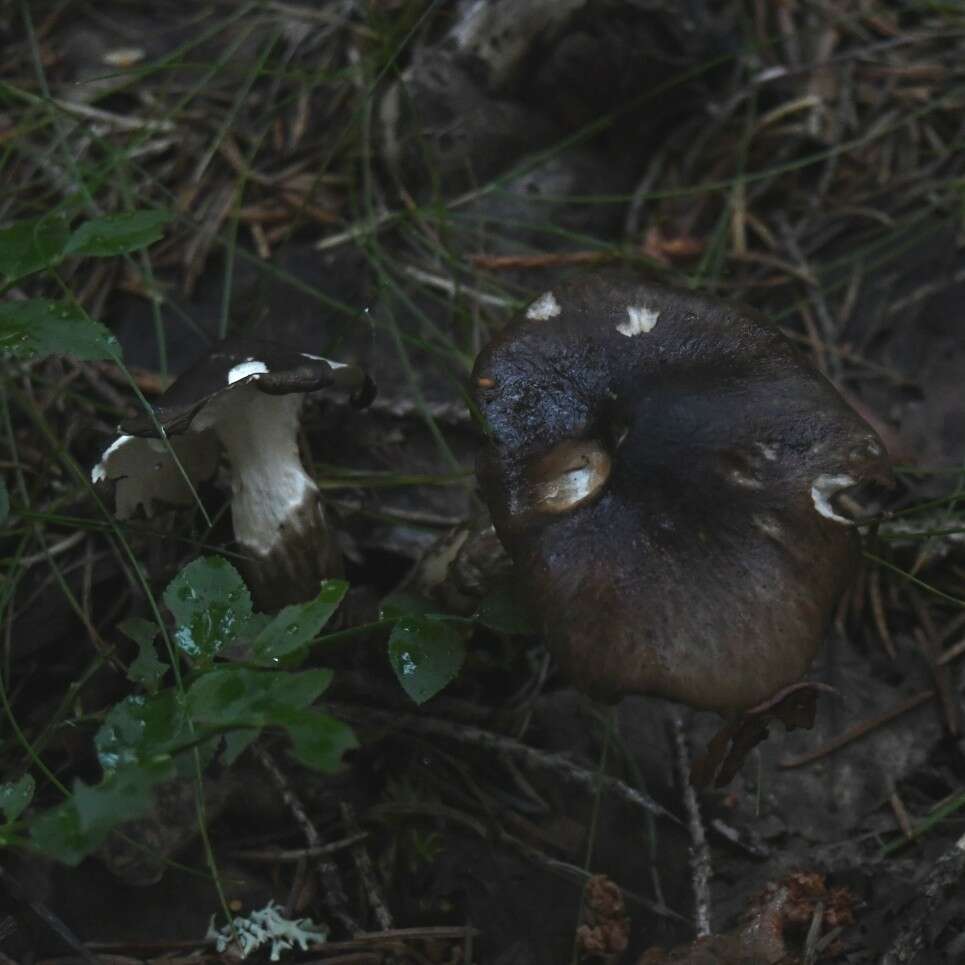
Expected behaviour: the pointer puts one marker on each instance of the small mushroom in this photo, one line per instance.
(662, 468)
(244, 397)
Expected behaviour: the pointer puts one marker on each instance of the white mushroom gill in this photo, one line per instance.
(640, 320)
(145, 471)
(823, 489)
(544, 308)
(245, 369)
(321, 358)
(99, 472)
(270, 486)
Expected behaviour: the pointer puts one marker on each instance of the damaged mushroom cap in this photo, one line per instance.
(661, 466)
(245, 395)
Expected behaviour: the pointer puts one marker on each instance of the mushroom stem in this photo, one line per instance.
(276, 508)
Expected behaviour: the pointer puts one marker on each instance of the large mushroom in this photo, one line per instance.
(662, 467)
(245, 396)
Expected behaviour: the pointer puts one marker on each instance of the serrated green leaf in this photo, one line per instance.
(29, 246)
(4, 502)
(140, 730)
(70, 831)
(145, 669)
(211, 606)
(426, 654)
(38, 327)
(236, 697)
(504, 610)
(15, 796)
(320, 741)
(118, 233)
(296, 626)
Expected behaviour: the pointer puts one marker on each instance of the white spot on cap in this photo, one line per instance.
(640, 321)
(544, 308)
(823, 489)
(768, 452)
(99, 472)
(739, 478)
(245, 369)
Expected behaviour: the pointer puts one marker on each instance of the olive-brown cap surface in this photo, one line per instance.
(661, 467)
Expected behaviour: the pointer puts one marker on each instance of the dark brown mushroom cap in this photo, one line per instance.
(282, 371)
(659, 465)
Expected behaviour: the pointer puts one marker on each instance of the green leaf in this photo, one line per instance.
(237, 742)
(504, 610)
(237, 696)
(140, 730)
(296, 626)
(426, 654)
(145, 669)
(211, 606)
(118, 233)
(37, 327)
(320, 741)
(15, 796)
(4, 502)
(70, 831)
(29, 246)
(404, 604)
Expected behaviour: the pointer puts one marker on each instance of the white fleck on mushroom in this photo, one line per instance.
(544, 308)
(742, 479)
(769, 452)
(640, 321)
(823, 489)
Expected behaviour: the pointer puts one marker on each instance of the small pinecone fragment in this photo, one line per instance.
(606, 928)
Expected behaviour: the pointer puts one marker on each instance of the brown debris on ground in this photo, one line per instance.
(605, 931)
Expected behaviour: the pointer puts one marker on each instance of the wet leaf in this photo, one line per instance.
(118, 233)
(140, 730)
(70, 831)
(236, 697)
(320, 741)
(145, 669)
(426, 654)
(211, 606)
(15, 796)
(396, 606)
(29, 246)
(38, 327)
(296, 626)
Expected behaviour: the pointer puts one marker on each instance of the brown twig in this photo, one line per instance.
(558, 764)
(700, 866)
(547, 259)
(291, 855)
(334, 893)
(940, 882)
(363, 865)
